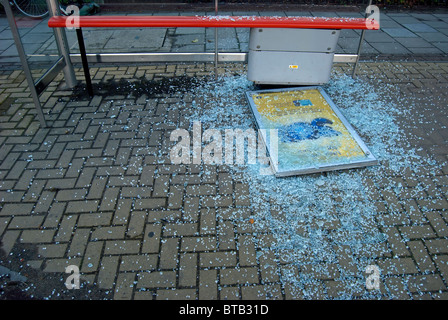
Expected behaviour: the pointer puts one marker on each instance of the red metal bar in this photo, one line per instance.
(216, 22)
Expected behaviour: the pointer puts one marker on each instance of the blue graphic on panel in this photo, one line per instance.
(308, 131)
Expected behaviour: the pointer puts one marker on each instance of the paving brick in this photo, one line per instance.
(15, 209)
(230, 293)
(335, 288)
(412, 209)
(26, 222)
(417, 232)
(246, 251)
(438, 223)
(397, 266)
(147, 175)
(59, 264)
(207, 223)
(41, 164)
(37, 236)
(107, 272)
(225, 183)
(94, 219)
(101, 140)
(151, 238)
(437, 245)
(8, 240)
(157, 216)
(226, 235)
(71, 194)
(25, 180)
(161, 186)
(397, 287)
(197, 244)
(433, 204)
(242, 195)
(97, 188)
(176, 195)
(124, 286)
(45, 201)
(78, 242)
(109, 199)
(3, 224)
(421, 256)
(261, 292)
(136, 224)
(178, 294)
(217, 259)
(217, 201)
(66, 228)
(442, 265)
(191, 209)
(54, 215)
(86, 206)
(34, 191)
(200, 190)
(321, 271)
(108, 232)
(65, 160)
(136, 192)
(92, 257)
(157, 279)
(268, 267)
(16, 170)
(422, 283)
(145, 294)
(151, 203)
(52, 250)
(186, 179)
(180, 229)
(188, 270)
(208, 284)
(169, 253)
(138, 262)
(122, 211)
(122, 247)
(242, 276)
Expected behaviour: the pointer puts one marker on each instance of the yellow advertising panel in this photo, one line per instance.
(312, 134)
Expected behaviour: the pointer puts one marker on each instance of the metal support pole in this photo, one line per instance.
(216, 43)
(85, 64)
(361, 40)
(24, 61)
(61, 42)
(355, 67)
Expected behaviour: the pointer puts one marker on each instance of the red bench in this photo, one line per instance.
(214, 22)
(201, 21)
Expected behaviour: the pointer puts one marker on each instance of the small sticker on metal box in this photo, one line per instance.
(293, 66)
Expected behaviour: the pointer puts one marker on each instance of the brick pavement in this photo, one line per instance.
(97, 190)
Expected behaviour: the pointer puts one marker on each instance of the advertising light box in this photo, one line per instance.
(311, 133)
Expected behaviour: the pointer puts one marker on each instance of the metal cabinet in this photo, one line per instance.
(291, 56)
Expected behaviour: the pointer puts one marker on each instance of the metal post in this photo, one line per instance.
(85, 64)
(61, 42)
(355, 67)
(216, 43)
(24, 61)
